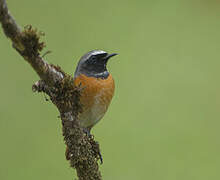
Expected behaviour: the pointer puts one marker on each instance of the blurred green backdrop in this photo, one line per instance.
(163, 123)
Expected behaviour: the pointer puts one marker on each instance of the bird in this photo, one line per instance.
(98, 87)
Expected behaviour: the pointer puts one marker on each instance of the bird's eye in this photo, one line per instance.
(92, 60)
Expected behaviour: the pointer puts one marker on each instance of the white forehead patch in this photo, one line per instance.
(98, 52)
(92, 53)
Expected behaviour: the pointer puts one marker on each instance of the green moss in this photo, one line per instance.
(30, 39)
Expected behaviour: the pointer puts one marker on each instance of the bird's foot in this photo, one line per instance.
(95, 144)
(97, 151)
(100, 157)
(87, 132)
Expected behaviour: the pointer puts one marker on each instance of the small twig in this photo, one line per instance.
(46, 53)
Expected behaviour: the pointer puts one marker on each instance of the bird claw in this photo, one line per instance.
(94, 144)
(87, 132)
(97, 151)
(100, 157)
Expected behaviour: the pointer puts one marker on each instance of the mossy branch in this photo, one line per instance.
(83, 151)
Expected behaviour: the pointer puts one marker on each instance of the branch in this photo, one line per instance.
(82, 150)
(28, 45)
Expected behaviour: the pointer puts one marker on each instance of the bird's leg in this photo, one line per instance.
(97, 151)
(94, 143)
(87, 131)
(100, 155)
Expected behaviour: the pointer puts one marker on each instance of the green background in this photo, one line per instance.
(163, 123)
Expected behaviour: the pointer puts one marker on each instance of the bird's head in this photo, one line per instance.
(93, 64)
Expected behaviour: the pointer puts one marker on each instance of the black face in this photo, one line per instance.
(93, 64)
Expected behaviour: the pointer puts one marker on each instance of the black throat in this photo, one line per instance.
(102, 75)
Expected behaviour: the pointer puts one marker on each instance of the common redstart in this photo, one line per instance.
(98, 87)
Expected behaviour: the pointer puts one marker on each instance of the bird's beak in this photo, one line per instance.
(110, 55)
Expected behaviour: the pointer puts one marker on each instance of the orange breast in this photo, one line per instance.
(95, 98)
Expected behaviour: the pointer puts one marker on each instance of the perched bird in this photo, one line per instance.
(98, 89)
(92, 74)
